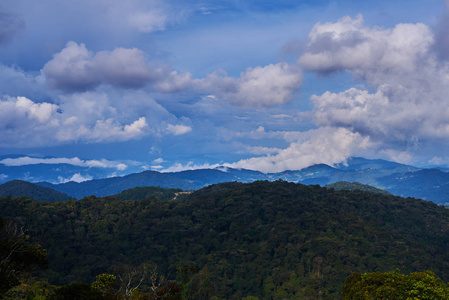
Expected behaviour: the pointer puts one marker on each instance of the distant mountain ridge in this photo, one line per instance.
(115, 185)
(19, 188)
(398, 179)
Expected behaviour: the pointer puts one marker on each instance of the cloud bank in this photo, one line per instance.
(74, 161)
(324, 145)
(257, 87)
(406, 82)
(76, 69)
(401, 108)
(25, 123)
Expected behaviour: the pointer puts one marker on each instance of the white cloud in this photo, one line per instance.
(258, 150)
(404, 104)
(75, 161)
(76, 68)
(178, 129)
(402, 157)
(76, 178)
(324, 145)
(22, 121)
(348, 45)
(106, 131)
(257, 87)
(178, 167)
(40, 111)
(90, 117)
(439, 161)
(23, 108)
(159, 160)
(136, 127)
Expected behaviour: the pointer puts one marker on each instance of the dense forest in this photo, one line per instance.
(269, 240)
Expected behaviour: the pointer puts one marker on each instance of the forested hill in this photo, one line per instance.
(272, 240)
(344, 185)
(18, 188)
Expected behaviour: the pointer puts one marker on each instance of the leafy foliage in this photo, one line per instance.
(139, 193)
(17, 255)
(395, 286)
(352, 186)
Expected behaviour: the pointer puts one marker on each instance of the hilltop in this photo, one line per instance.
(18, 188)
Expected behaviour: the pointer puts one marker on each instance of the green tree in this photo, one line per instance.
(395, 286)
(76, 291)
(32, 289)
(106, 284)
(17, 255)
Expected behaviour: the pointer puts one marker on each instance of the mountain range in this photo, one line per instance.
(397, 179)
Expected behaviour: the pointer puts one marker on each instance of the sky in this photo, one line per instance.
(256, 84)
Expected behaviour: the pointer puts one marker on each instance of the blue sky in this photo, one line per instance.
(263, 85)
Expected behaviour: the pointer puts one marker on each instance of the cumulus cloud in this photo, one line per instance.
(323, 145)
(75, 161)
(25, 123)
(257, 87)
(10, 25)
(105, 131)
(349, 45)
(76, 68)
(178, 129)
(21, 119)
(404, 103)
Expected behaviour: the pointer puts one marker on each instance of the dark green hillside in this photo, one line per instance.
(352, 186)
(273, 240)
(140, 193)
(18, 188)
